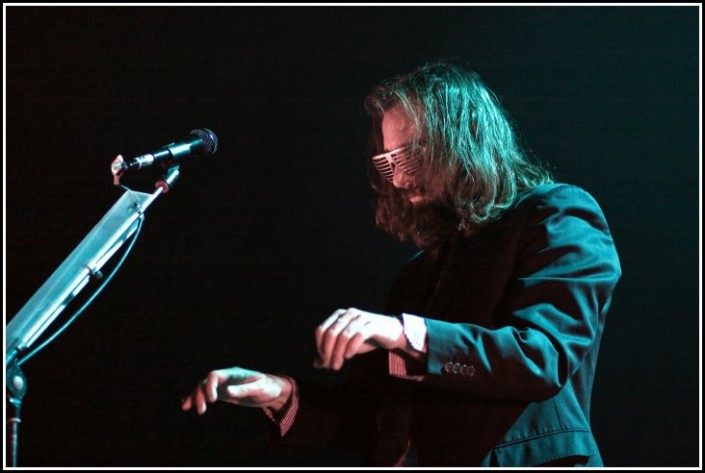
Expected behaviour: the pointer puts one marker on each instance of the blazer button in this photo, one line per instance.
(469, 371)
(448, 367)
(456, 368)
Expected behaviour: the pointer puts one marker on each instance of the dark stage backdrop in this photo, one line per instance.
(253, 247)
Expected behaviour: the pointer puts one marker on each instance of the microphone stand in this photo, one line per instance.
(83, 264)
(14, 392)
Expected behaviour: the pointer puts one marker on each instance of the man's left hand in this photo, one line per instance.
(349, 332)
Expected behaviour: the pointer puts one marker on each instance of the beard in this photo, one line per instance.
(433, 221)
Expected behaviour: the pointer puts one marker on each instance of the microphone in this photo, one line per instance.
(201, 143)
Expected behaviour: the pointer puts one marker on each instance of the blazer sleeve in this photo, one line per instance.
(551, 313)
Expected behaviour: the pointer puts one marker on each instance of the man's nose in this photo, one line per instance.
(400, 179)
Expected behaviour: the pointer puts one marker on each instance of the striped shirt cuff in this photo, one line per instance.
(401, 364)
(285, 419)
(415, 331)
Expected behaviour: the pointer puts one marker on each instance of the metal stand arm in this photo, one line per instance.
(96, 249)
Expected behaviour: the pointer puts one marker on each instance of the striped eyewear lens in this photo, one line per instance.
(407, 157)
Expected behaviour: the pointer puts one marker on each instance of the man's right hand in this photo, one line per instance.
(241, 387)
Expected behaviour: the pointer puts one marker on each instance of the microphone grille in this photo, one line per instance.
(210, 141)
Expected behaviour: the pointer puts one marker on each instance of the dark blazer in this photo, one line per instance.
(515, 314)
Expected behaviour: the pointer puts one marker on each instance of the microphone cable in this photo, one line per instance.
(90, 300)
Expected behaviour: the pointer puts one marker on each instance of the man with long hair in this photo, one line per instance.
(485, 352)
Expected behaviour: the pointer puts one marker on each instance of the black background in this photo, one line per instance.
(254, 247)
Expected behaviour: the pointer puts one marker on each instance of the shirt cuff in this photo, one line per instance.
(401, 364)
(415, 331)
(285, 418)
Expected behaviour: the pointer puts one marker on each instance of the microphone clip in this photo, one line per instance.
(171, 172)
(118, 168)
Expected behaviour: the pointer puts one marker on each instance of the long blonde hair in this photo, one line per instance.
(474, 168)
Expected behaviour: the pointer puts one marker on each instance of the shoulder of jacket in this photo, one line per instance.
(556, 194)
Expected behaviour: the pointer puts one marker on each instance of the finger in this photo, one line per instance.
(186, 403)
(239, 393)
(240, 377)
(211, 388)
(321, 330)
(256, 394)
(350, 332)
(330, 337)
(199, 399)
(363, 333)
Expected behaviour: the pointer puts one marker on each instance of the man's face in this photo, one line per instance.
(398, 131)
